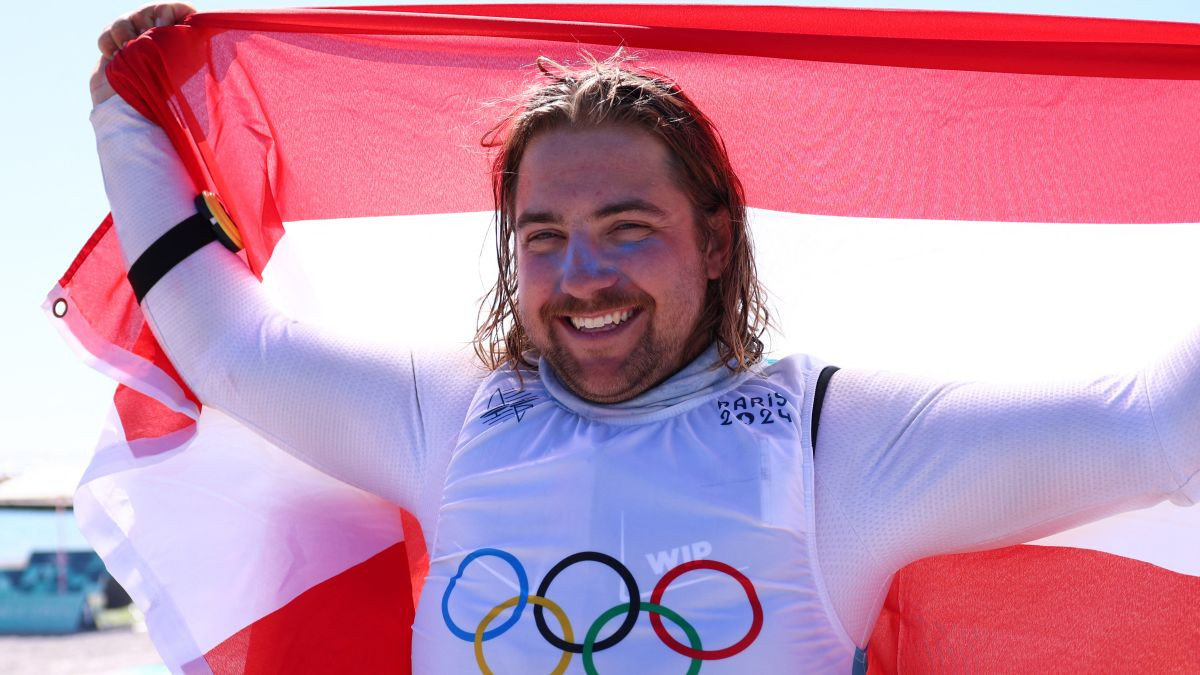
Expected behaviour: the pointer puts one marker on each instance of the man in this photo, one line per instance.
(628, 453)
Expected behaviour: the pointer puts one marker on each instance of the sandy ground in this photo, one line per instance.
(116, 651)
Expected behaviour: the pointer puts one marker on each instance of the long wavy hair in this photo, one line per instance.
(613, 92)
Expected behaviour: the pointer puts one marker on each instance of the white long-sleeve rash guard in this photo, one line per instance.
(906, 468)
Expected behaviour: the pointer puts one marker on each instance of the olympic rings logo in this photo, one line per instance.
(590, 645)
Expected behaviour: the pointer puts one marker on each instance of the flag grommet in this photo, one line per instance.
(59, 308)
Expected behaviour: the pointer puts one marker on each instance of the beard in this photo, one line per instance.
(635, 374)
(653, 358)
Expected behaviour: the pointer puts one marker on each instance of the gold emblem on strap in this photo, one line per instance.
(226, 230)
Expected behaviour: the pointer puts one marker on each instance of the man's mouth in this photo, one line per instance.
(597, 323)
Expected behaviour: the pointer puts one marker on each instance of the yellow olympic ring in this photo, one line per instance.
(512, 602)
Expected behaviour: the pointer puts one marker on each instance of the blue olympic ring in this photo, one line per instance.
(523, 594)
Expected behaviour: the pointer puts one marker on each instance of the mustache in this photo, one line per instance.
(603, 301)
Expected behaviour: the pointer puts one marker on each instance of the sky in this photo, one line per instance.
(52, 406)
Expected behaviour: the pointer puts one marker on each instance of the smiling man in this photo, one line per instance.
(609, 256)
(614, 256)
(627, 452)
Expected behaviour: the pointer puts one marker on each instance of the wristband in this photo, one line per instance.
(210, 223)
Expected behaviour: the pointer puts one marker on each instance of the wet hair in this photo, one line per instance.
(613, 92)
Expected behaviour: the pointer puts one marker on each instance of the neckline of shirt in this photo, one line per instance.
(693, 385)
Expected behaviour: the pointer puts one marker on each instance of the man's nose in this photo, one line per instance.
(586, 270)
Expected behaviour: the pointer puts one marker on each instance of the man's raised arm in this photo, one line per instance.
(347, 408)
(909, 468)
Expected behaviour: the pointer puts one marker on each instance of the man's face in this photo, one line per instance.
(611, 276)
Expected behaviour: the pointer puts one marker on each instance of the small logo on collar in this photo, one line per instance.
(503, 405)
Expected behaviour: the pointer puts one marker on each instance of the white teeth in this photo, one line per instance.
(600, 321)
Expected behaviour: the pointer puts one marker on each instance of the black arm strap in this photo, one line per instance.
(819, 400)
(179, 242)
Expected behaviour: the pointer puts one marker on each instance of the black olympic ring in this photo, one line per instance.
(635, 601)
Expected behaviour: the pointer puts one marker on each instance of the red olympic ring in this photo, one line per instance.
(707, 654)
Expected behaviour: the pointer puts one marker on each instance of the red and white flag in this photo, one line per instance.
(965, 194)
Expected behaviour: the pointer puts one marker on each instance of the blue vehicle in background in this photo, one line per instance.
(51, 581)
(57, 592)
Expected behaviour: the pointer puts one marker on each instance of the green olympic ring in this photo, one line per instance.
(593, 632)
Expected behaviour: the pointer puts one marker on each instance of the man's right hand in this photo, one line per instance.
(126, 28)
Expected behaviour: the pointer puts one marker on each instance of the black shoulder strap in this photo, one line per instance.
(819, 400)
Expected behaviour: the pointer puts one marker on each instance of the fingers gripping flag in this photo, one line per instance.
(863, 130)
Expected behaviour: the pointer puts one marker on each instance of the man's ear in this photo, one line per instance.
(720, 243)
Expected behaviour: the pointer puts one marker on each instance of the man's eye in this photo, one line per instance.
(631, 231)
(543, 240)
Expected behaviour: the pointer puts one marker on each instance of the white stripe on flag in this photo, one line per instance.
(961, 300)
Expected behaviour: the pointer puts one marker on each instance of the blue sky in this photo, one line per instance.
(52, 405)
